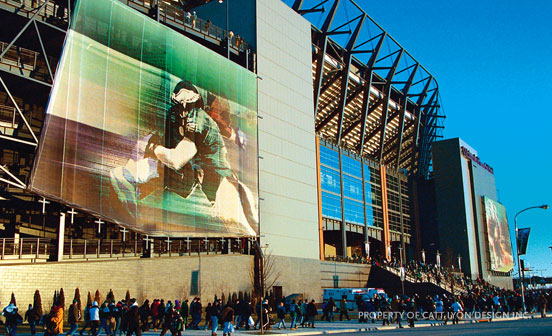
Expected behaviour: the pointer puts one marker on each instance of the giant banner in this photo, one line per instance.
(500, 247)
(149, 129)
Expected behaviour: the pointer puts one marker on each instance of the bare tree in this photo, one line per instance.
(268, 273)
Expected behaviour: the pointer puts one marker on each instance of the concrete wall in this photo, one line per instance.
(169, 278)
(350, 275)
(289, 211)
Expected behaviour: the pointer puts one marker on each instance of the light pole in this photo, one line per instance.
(227, 29)
(402, 272)
(544, 207)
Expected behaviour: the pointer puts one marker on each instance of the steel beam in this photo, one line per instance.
(366, 96)
(388, 90)
(416, 135)
(335, 111)
(405, 90)
(345, 78)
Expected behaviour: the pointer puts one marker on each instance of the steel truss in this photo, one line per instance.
(20, 138)
(372, 97)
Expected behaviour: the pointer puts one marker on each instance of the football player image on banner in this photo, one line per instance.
(149, 129)
(500, 247)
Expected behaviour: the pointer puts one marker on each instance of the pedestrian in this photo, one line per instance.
(32, 316)
(73, 318)
(281, 314)
(457, 310)
(327, 312)
(184, 310)
(168, 320)
(311, 313)
(542, 303)
(134, 319)
(56, 320)
(227, 316)
(343, 310)
(105, 316)
(292, 314)
(144, 312)
(94, 312)
(215, 312)
(12, 319)
(87, 323)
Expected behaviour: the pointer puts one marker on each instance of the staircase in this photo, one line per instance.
(389, 279)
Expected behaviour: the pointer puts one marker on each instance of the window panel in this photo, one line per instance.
(351, 166)
(331, 206)
(329, 157)
(354, 212)
(329, 180)
(352, 187)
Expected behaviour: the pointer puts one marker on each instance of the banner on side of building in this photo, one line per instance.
(148, 129)
(498, 234)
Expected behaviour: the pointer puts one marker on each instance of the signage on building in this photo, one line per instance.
(469, 155)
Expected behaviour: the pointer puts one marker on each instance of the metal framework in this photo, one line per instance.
(31, 41)
(372, 97)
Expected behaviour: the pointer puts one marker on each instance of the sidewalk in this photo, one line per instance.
(321, 328)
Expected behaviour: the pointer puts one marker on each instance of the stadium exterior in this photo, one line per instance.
(346, 122)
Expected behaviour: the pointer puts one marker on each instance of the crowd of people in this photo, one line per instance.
(128, 317)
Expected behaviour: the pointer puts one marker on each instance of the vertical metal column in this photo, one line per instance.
(61, 236)
(343, 229)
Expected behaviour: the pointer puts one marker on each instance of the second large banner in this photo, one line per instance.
(149, 129)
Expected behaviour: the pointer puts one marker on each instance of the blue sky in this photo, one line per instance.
(493, 63)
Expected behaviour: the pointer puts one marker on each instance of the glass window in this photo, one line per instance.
(367, 173)
(329, 157)
(329, 179)
(351, 166)
(352, 187)
(368, 192)
(369, 215)
(353, 212)
(331, 206)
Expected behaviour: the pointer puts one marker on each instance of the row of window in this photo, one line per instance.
(354, 210)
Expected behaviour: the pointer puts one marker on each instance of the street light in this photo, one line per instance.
(544, 207)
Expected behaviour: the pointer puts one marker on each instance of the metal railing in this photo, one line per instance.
(27, 60)
(25, 248)
(33, 249)
(7, 116)
(171, 14)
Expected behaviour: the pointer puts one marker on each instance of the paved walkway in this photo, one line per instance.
(322, 328)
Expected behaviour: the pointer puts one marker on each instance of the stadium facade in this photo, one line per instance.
(463, 220)
(342, 134)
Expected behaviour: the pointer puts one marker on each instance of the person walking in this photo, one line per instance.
(133, 319)
(74, 318)
(542, 302)
(32, 316)
(57, 320)
(227, 316)
(457, 310)
(215, 312)
(311, 313)
(94, 312)
(87, 323)
(105, 316)
(343, 310)
(281, 314)
(11, 314)
(184, 311)
(327, 312)
(292, 314)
